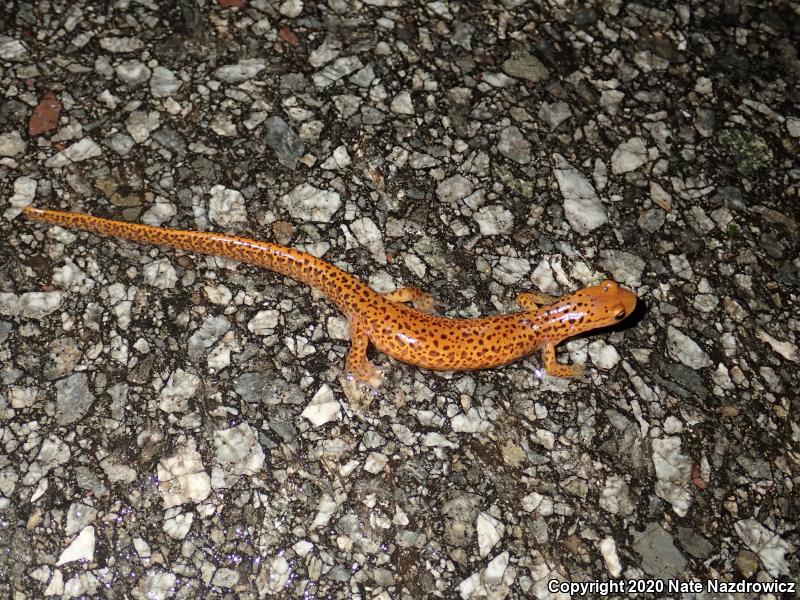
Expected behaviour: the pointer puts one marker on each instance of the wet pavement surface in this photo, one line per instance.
(178, 426)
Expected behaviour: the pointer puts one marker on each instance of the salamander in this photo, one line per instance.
(400, 323)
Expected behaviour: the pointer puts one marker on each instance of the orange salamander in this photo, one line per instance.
(411, 335)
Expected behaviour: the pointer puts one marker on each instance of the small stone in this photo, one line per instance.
(132, 72)
(79, 516)
(787, 350)
(490, 531)
(340, 159)
(608, 548)
(462, 36)
(291, 8)
(554, 114)
(629, 156)
(705, 122)
(245, 69)
(284, 141)
(160, 274)
(582, 207)
(323, 407)
(454, 188)
(182, 477)
(307, 203)
(264, 322)
(603, 355)
(523, 65)
(471, 422)
(73, 398)
(375, 462)
(226, 207)
(681, 267)
(121, 143)
(694, 543)
(369, 235)
(496, 569)
(238, 451)
(615, 497)
(324, 53)
(770, 547)
(12, 144)
(31, 305)
(53, 453)
(156, 585)
(494, 219)
(81, 548)
(45, 116)
(747, 563)
(77, 152)
(364, 76)
(659, 556)
(652, 220)
(279, 573)
(164, 83)
(333, 72)
(684, 349)
(793, 126)
(325, 509)
(181, 386)
(402, 104)
(625, 267)
(177, 524)
(24, 193)
(120, 45)
(512, 144)
(141, 124)
(208, 334)
(673, 471)
(660, 196)
(225, 578)
(12, 50)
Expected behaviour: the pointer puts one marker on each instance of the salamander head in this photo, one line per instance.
(592, 307)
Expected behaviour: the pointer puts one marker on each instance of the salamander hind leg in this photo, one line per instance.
(358, 365)
(533, 300)
(420, 299)
(555, 368)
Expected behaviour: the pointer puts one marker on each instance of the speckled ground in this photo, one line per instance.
(177, 426)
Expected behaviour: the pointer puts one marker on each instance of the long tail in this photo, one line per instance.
(341, 287)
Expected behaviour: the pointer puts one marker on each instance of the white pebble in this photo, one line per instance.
(608, 548)
(81, 548)
(603, 355)
(77, 152)
(402, 104)
(291, 8)
(684, 349)
(12, 144)
(582, 207)
(323, 407)
(226, 207)
(307, 203)
(182, 477)
(490, 530)
(629, 156)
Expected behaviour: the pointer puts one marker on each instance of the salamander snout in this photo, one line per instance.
(621, 300)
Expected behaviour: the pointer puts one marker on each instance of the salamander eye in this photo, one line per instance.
(620, 314)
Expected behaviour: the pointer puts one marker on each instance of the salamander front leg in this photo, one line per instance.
(420, 299)
(358, 365)
(555, 368)
(533, 300)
